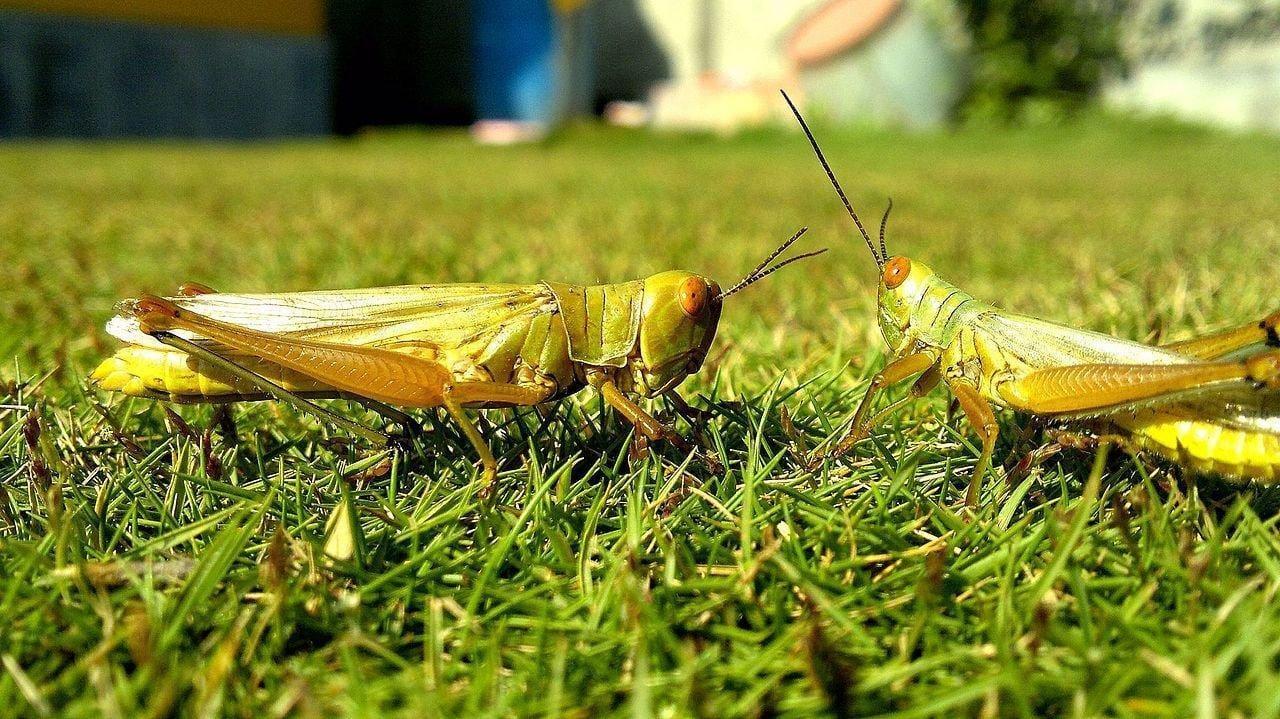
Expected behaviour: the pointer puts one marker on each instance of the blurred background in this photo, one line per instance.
(1112, 146)
(513, 69)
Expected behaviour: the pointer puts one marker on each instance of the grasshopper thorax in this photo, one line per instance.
(678, 322)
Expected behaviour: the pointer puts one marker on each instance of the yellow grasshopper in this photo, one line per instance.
(1210, 404)
(444, 345)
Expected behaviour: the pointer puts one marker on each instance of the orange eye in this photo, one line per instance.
(896, 271)
(693, 296)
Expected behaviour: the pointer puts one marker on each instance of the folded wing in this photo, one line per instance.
(395, 318)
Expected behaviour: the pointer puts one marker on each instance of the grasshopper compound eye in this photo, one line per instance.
(896, 271)
(693, 296)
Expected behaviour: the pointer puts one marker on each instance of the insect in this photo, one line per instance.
(1210, 404)
(447, 345)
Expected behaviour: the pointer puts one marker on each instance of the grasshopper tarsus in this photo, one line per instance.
(702, 454)
(401, 443)
(710, 461)
(843, 446)
(849, 441)
(638, 448)
(641, 446)
(797, 448)
(677, 440)
(1030, 460)
(226, 424)
(696, 418)
(1271, 328)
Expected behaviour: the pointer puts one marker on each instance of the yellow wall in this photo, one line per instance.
(297, 17)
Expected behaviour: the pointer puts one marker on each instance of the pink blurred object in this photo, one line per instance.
(625, 113)
(507, 132)
(836, 27)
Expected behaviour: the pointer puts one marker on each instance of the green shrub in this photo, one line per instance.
(1037, 60)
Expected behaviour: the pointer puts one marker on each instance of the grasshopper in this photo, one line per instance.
(1210, 404)
(424, 346)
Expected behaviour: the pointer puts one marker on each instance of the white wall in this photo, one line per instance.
(1215, 61)
(745, 35)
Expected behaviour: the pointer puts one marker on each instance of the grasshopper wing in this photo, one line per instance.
(396, 318)
(1076, 373)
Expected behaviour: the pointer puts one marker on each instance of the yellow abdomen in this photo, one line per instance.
(164, 374)
(1206, 446)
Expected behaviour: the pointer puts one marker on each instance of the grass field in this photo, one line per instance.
(148, 570)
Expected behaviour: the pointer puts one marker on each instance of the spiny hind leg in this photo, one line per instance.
(267, 386)
(410, 428)
(1265, 332)
(388, 377)
(1105, 386)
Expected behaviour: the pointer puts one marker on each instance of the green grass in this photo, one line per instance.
(148, 570)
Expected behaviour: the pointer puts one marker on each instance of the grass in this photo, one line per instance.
(153, 565)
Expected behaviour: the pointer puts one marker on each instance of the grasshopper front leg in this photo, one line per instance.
(983, 420)
(650, 427)
(898, 370)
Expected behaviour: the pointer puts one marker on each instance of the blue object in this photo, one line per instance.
(516, 60)
(70, 77)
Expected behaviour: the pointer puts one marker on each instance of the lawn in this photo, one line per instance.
(154, 565)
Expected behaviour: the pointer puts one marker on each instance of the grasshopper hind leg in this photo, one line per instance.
(1220, 344)
(270, 388)
(410, 429)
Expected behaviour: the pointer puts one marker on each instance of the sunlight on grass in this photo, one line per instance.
(154, 563)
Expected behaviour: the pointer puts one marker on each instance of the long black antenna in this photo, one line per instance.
(834, 182)
(763, 269)
(884, 221)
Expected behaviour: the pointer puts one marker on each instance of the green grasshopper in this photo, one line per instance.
(446, 345)
(1210, 404)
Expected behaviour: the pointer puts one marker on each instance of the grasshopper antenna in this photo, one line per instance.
(834, 182)
(763, 269)
(885, 221)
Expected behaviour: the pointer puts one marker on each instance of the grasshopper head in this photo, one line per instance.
(902, 284)
(677, 325)
(679, 316)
